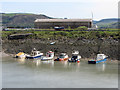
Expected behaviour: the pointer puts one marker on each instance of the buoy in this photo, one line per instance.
(78, 61)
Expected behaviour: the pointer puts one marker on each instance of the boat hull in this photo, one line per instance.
(58, 59)
(74, 61)
(97, 61)
(46, 59)
(33, 57)
(20, 55)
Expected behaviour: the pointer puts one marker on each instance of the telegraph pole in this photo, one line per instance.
(92, 18)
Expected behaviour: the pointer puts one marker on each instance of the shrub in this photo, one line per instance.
(82, 28)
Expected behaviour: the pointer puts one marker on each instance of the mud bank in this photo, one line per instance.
(88, 48)
(2, 54)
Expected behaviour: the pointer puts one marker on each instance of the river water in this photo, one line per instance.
(20, 73)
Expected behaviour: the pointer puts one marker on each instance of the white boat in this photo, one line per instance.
(100, 58)
(49, 56)
(62, 57)
(52, 43)
(20, 55)
(59, 28)
(75, 57)
(34, 54)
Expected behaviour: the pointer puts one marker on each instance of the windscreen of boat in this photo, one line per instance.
(74, 57)
(33, 53)
(61, 56)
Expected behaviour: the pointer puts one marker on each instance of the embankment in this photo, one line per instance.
(88, 48)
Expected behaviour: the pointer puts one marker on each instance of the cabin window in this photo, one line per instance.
(75, 57)
(61, 56)
(35, 53)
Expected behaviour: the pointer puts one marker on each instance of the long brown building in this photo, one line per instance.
(72, 23)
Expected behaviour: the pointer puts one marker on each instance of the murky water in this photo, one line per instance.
(18, 73)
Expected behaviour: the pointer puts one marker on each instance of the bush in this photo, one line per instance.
(82, 28)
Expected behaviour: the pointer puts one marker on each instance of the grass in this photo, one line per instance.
(66, 34)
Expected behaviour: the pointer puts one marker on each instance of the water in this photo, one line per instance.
(18, 73)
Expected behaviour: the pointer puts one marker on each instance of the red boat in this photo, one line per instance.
(62, 57)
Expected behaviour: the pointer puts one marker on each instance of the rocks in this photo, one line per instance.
(88, 48)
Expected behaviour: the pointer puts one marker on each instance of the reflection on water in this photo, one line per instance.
(21, 60)
(57, 64)
(58, 74)
(37, 62)
(101, 66)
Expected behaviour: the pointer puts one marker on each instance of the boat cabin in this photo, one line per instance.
(63, 55)
(35, 52)
(75, 53)
(101, 56)
(74, 57)
(50, 54)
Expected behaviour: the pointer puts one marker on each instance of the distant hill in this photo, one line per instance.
(109, 20)
(107, 23)
(21, 19)
(27, 20)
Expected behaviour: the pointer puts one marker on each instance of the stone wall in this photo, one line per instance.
(48, 25)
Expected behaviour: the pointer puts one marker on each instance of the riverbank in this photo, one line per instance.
(3, 54)
(89, 44)
(86, 48)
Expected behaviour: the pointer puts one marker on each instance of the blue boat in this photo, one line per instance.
(34, 54)
(100, 58)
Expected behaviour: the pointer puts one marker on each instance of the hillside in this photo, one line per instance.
(27, 20)
(21, 19)
(107, 23)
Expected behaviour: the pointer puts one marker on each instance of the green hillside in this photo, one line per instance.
(26, 20)
(21, 19)
(107, 23)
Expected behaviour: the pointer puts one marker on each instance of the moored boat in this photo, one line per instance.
(75, 57)
(62, 57)
(34, 54)
(49, 56)
(20, 55)
(100, 58)
(59, 28)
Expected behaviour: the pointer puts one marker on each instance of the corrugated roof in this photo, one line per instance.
(63, 20)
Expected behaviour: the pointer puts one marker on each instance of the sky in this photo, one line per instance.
(63, 8)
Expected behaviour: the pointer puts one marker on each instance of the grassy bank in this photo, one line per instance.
(88, 43)
(66, 34)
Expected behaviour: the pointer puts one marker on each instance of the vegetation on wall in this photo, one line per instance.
(65, 34)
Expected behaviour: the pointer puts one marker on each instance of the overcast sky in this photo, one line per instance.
(64, 8)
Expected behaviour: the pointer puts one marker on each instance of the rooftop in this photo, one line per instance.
(63, 20)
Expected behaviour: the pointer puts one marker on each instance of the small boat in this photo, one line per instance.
(20, 55)
(75, 57)
(62, 57)
(52, 43)
(34, 54)
(59, 28)
(49, 56)
(100, 58)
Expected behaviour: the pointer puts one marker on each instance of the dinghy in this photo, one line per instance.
(20, 55)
